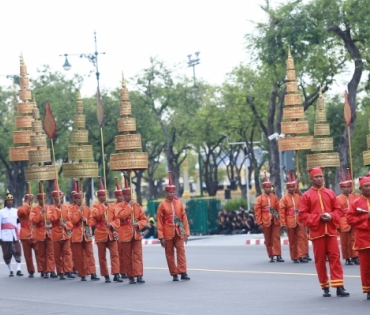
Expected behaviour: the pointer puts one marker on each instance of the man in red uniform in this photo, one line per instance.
(347, 234)
(61, 234)
(26, 234)
(132, 219)
(42, 234)
(106, 224)
(79, 216)
(173, 231)
(266, 214)
(118, 194)
(319, 209)
(359, 217)
(288, 212)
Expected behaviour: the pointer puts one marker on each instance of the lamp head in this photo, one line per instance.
(66, 65)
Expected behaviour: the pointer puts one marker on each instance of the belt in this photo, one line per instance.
(265, 209)
(169, 219)
(125, 222)
(100, 224)
(40, 224)
(55, 223)
(26, 224)
(77, 225)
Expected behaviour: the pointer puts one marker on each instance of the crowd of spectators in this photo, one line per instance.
(236, 222)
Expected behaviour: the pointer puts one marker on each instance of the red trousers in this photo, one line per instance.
(63, 256)
(84, 261)
(297, 242)
(272, 240)
(29, 245)
(122, 265)
(305, 243)
(364, 256)
(347, 239)
(171, 244)
(133, 252)
(328, 246)
(45, 255)
(114, 258)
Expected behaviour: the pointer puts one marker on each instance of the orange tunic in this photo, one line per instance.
(100, 215)
(38, 221)
(24, 220)
(345, 204)
(288, 210)
(56, 217)
(79, 232)
(262, 211)
(126, 213)
(166, 226)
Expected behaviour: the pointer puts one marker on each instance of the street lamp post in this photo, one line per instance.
(193, 63)
(92, 57)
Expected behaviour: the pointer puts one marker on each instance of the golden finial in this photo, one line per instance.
(22, 59)
(289, 53)
(79, 94)
(123, 80)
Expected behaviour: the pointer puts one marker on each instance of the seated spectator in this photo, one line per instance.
(149, 231)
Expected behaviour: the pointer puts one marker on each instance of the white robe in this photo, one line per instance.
(9, 215)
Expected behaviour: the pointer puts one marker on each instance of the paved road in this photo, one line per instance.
(224, 280)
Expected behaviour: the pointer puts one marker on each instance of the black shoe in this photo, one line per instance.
(107, 279)
(70, 275)
(116, 278)
(348, 262)
(279, 259)
(53, 275)
(31, 275)
(19, 273)
(94, 277)
(61, 277)
(184, 276)
(139, 279)
(368, 296)
(83, 278)
(11, 274)
(303, 260)
(132, 281)
(74, 272)
(326, 292)
(296, 261)
(124, 275)
(42, 274)
(342, 292)
(272, 260)
(308, 257)
(355, 260)
(175, 278)
(46, 275)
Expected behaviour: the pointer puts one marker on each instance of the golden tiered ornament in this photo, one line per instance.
(321, 128)
(127, 145)
(21, 138)
(293, 114)
(80, 154)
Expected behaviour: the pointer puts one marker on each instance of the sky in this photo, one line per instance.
(129, 32)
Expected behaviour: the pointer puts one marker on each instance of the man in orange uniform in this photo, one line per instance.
(26, 234)
(79, 216)
(106, 224)
(118, 194)
(173, 231)
(266, 216)
(359, 217)
(347, 234)
(61, 234)
(42, 234)
(132, 219)
(319, 209)
(288, 213)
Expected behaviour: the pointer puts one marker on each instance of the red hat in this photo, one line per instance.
(266, 182)
(77, 191)
(118, 191)
(170, 186)
(345, 182)
(101, 191)
(315, 171)
(127, 189)
(28, 195)
(56, 192)
(364, 179)
(291, 179)
(41, 195)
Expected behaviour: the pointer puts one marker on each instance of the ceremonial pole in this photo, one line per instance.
(100, 118)
(347, 112)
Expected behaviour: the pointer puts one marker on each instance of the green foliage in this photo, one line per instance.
(234, 204)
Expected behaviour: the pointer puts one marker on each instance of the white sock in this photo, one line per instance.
(10, 267)
(18, 266)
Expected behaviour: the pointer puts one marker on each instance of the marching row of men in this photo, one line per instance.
(61, 235)
(323, 214)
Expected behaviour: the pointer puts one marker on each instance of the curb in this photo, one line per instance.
(283, 241)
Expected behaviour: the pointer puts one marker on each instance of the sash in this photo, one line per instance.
(100, 224)
(290, 211)
(180, 224)
(40, 224)
(55, 224)
(10, 226)
(169, 219)
(127, 221)
(77, 225)
(26, 225)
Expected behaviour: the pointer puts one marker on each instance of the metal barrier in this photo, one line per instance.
(203, 214)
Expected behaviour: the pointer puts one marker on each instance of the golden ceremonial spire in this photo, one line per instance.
(321, 128)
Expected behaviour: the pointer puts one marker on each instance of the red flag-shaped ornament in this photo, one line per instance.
(50, 126)
(347, 110)
(99, 109)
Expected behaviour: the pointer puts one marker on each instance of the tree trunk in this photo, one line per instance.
(87, 191)
(138, 181)
(16, 182)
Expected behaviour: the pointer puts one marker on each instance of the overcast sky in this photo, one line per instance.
(130, 32)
